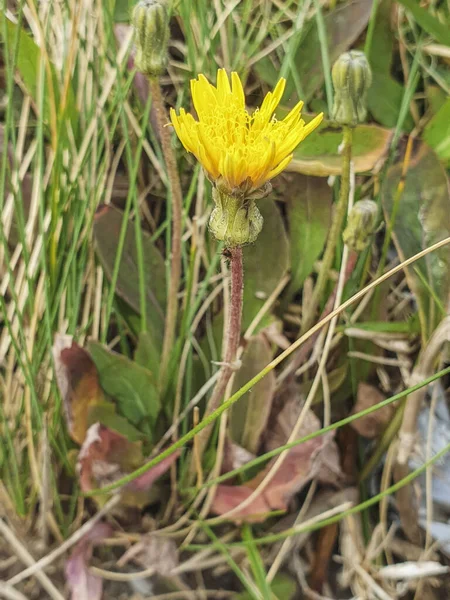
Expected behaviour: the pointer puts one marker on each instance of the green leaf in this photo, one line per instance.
(382, 47)
(283, 587)
(319, 154)
(309, 202)
(248, 418)
(107, 225)
(131, 385)
(439, 31)
(343, 26)
(437, 132)
(266, 261)
(423, 218)
(105, 413)
(146, 354)
(436, 98)
(386, 94)
(256, 563)
(385, 99)
(122, 10)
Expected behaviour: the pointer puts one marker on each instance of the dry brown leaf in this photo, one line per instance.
(78, 383)
(82, 584)
(158, 552)
(234, 456)
(371, 426)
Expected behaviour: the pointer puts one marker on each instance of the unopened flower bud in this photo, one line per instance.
(151, 25)
(236, 221)
(361, 225)
(352, 78)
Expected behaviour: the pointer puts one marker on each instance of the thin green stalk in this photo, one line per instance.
(208, 420)
(221, 547)
(138, 236)
(322, 33)
(270, 539)
(371, 28)
(335, 232)
(177, 216)
(256, 563)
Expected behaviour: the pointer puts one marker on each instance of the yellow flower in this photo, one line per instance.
(239, 150)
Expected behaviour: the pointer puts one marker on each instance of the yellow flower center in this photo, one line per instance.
(232, 145)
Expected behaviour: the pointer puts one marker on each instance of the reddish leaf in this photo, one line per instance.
(107, 456)
(229, 496)
(81, 582)
(316, 458)
(78, 383)
(145, 481)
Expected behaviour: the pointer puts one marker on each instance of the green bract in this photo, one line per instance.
(151, 24)
(352, 78)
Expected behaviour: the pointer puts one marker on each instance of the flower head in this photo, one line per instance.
(361, 225)
(352, 78)
(150, 20)
(239, 151)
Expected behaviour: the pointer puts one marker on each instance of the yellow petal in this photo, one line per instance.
(180, 131)
(237, 90)
(313, 124)
(206, 162)
(283, 164)
(204, 96)
(293, 114)
(272, 100)
(223, 85)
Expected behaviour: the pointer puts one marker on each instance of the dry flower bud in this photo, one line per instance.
(352, 78)
(361, 225)
(151, 25)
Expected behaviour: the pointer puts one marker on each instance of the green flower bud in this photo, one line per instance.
(234, 220)
(151, 25)
(361, 225)
(352, 78)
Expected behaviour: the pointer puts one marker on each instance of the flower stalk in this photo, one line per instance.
(352, 78)
(241, 153)
(177, 216)
(335, 232)
(231, 346)
(151, 24)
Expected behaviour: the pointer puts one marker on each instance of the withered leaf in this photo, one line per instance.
(78, 383)
(82, 583)
(372, 425)
(107, 456)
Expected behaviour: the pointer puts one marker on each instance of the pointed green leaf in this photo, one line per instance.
(107, 225)
(309, 201)
(248, 418)
(423, 218)
(437, 132)
(132, 386)
(265, 262)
